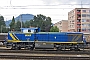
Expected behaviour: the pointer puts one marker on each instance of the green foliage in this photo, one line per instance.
(18, 25)
(2, 24)
(12, 24)
(54, 29)
(23, 25)
(41, 21)
(5, 30)
(27, 24)
(38, 21)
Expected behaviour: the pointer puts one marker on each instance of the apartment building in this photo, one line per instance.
(79, 20)
(62, 25)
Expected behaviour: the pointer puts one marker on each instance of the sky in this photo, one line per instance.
(56, 9)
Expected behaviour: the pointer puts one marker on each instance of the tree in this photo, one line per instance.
(41, 21)
(54, 29)
(48, 24)
(5, 30)
(2, 23)
(17, 25)
(23, 24)
(12, 24)
(27, 24)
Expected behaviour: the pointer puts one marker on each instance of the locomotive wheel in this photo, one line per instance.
(31, 48)
(12, 48)
(76, 49)
(15, 48)
(59, 49)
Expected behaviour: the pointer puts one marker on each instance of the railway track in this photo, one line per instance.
(43, 54)
(42, 57)
(44, 51)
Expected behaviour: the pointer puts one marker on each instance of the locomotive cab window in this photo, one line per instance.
(36, 30)
(29, 30)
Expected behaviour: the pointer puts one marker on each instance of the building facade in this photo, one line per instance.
(79, 20)
(62, 25)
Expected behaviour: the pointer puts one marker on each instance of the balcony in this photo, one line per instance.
(78, 17)
(78, 22)
(78, 30)
(78, 12)
(78, 26)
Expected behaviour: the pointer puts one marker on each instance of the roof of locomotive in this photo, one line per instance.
(28, 28)
(60, 32)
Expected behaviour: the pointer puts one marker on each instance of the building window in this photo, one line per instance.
(88, 20)
(84, 29)
(88, 15)
(60, 23)
(70, 21)
(71, 26)
(89, 25)
(70, 17)
(84, 11)
(89, 11)
(83, 15)
(73, 21)
(78, 25)
(83, 20)
(78, 21)
(84, 25)
(88, 29)
(73, 16)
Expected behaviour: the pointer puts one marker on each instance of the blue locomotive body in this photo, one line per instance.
(45, 39)
(59, 37)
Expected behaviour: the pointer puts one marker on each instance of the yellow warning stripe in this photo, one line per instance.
(15, 36)
(74, 37)
(78, 37)
(12, 36)
(13, 41)
(60, 42)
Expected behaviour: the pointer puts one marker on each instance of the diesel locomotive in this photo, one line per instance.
(32, 38)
